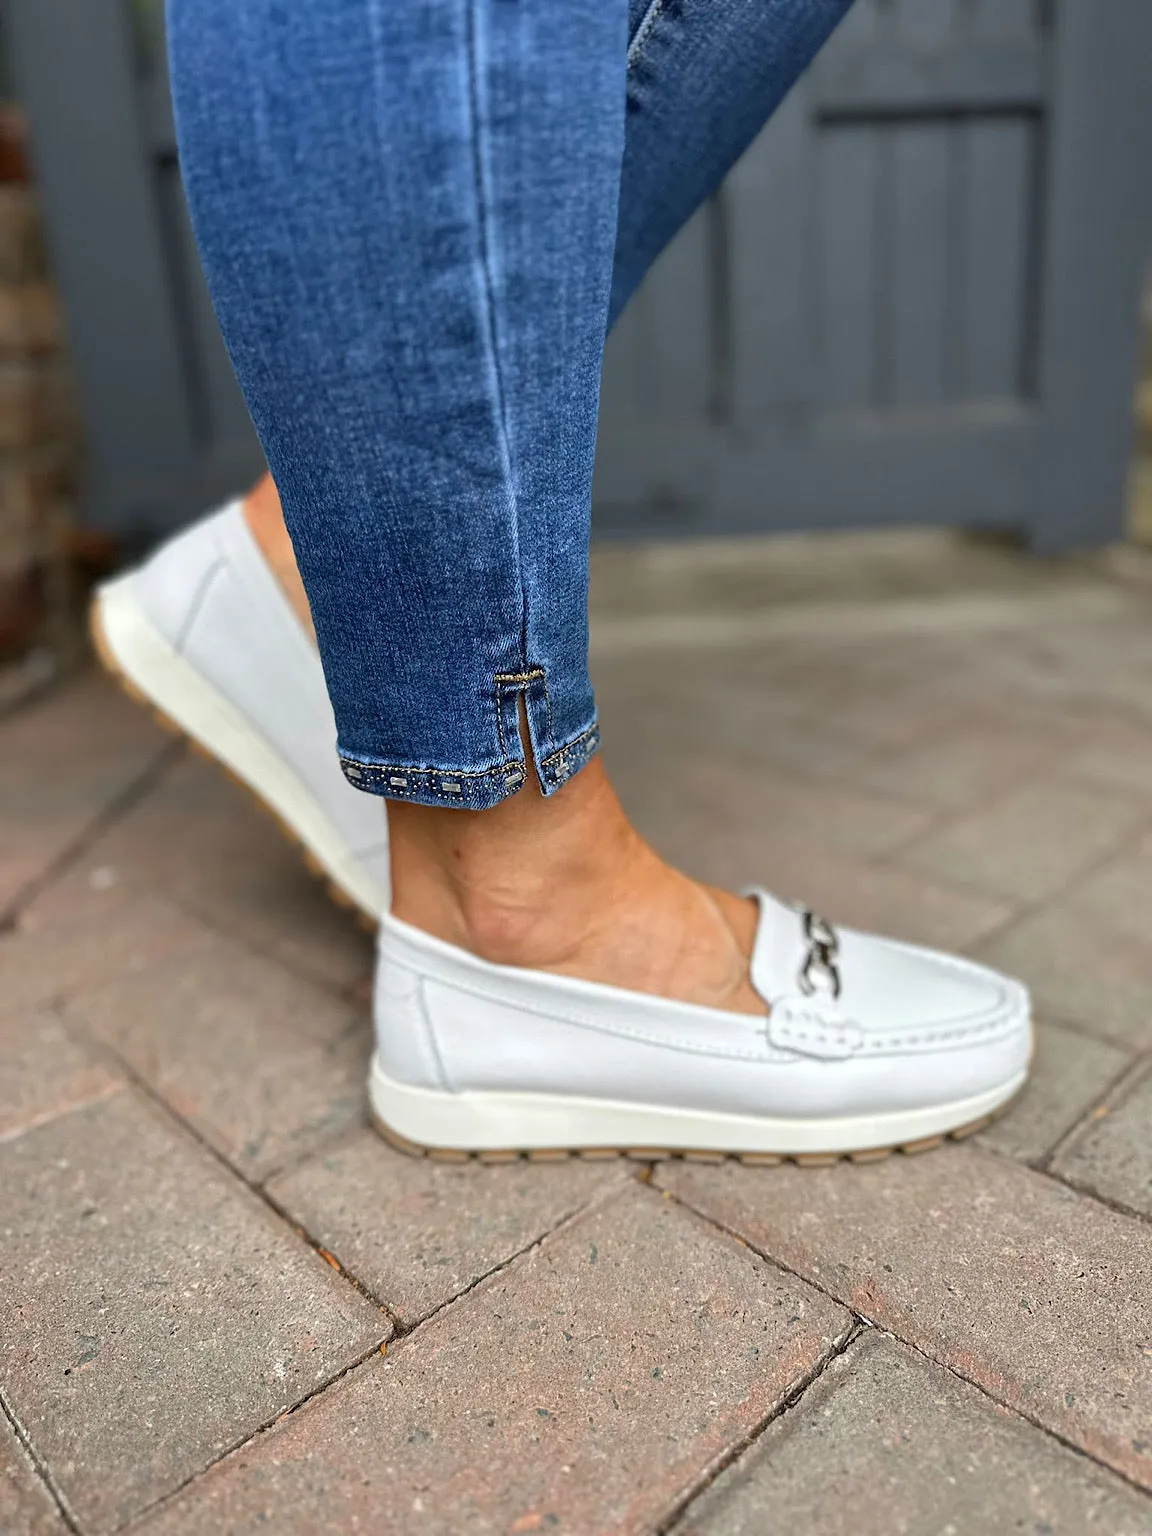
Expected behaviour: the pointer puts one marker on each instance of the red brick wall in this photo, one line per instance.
(38, 430)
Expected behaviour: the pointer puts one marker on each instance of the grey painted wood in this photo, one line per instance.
(997, 169)
(220, 412)
(971, 466)
(919, 258)
(107, 243)
(769, 200)
(999, 20)
(914, 300)
(902, 79)
(848, 176)
(659, 361)
(1096, 234)
(166, 430)
(936, 269)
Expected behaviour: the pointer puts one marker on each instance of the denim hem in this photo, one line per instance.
(467, 788)
(558, 767)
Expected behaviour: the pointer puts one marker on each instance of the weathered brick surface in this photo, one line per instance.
(26, 1506)
(972, 766)
(884, 1444)
(882, 898)
(264, 1065)
(714, 811)
(1070, 1074)
(155, 1312)
(1087, 957)
(44, 1072)
(1039, 1295)
(1032, 842)
(63, 762)
(417, 1232)
(1112, 1155)
(85, 932)
(1118, 753)
(203, 840)
(584, 1389)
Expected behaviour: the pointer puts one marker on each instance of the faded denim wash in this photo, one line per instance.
(417, 219)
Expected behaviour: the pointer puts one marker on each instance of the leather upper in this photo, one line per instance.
(910, 1027)
(212, 595)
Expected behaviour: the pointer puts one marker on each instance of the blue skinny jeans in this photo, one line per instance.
(417, 219)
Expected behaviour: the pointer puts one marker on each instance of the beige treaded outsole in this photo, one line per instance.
(165, 722)
(659, 1154)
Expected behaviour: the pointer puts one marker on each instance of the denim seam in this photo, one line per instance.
(397, 771)
(647, 22)
(593, 730)
(514, 682)
(559, 766)
(448, 773)
(489, 295)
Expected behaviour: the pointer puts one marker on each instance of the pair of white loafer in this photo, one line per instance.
(867, 1044)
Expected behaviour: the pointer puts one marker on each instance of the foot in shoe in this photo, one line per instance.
(567, 885)
(547, 982)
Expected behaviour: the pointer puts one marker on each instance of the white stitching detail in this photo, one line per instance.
(867, 1045)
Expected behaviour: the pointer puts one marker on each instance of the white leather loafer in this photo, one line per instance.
(204, 634)
(866, 1045)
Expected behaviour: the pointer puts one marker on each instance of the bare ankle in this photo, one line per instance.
(522, 883)
(567, 885)
(265, 519)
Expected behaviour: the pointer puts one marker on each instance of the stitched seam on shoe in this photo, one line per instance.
(673, 1043)
(446, 1081)
(199, 598)
(677, 1042)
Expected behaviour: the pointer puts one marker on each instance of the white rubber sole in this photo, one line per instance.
(146, 664)
(424, 1120)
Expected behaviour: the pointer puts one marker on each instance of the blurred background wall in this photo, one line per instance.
(916, 299)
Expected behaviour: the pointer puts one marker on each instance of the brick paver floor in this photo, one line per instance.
(227, 1306)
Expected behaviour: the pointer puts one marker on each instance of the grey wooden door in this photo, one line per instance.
(167, 431)
(914, 300)
(916, 297)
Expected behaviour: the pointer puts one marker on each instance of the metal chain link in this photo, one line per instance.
(821, 962)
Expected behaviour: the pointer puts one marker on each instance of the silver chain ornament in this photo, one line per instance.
(821, 961)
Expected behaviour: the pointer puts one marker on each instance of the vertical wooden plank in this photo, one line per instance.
(848, 170)
(998, 193)
(923, 23)
(620, 394)
(920, 263)
(1096, 237)
(218, 405)
(1000, 21)
(76, 73)
(860, 25)
(657, 363)
(770, 197)
(676, 317)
